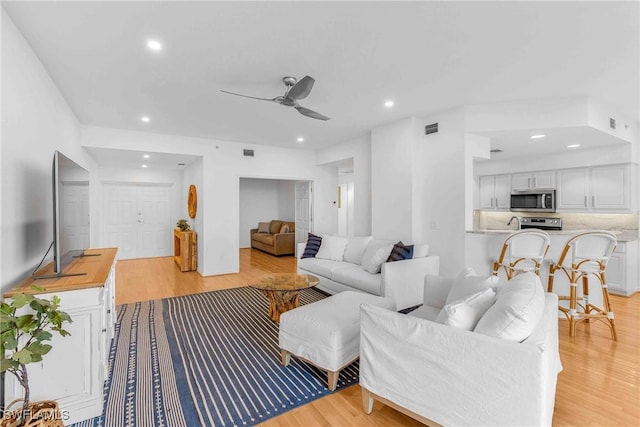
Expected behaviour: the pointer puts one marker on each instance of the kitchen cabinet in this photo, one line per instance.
(622, 269)
(599, 188)
(533, 180)
(74, 371)
(495, 192)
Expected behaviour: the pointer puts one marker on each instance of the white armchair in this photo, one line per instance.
(438, 374)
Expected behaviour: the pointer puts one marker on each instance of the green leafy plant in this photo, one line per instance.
(24, 332)
(183, 225)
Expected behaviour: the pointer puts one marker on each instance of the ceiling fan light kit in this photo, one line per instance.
(295, 90)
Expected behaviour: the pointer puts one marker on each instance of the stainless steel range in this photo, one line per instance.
(541, 223)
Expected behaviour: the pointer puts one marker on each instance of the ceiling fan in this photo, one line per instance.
(295, 90)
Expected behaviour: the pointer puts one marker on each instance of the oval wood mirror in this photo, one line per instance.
(192, 201)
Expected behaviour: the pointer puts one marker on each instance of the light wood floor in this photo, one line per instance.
(599, 385)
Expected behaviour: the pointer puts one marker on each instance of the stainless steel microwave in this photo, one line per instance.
(533, 201)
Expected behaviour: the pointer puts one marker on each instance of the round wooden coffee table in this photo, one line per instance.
(283, 291)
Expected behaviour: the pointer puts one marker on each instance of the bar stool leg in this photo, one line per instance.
(573, 313)
(607, 306)
(585, 295)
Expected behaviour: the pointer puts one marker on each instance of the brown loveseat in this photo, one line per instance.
(275, 242)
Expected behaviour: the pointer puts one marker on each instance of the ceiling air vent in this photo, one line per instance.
(495, 150)
(432, 128)
(247, 153)
(612, 123)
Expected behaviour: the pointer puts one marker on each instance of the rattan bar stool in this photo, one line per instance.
(584, 255)
(522, 251)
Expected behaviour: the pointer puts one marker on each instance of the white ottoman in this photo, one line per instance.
(326, 333)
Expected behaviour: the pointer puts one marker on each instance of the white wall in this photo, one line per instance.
(258, 203)
(287, 200)
(36, 121)
(193, 175)
(440, 180)
(223, 165)
(392, 180)
(359, 150)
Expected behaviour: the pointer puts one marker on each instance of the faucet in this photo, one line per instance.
(517, 218)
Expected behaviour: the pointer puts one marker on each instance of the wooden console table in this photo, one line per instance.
(185, 249)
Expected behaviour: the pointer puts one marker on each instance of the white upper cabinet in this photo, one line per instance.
(601, 188)
(495, 192)
(533, 180)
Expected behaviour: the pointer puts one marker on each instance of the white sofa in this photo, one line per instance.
(402, 281)
(440, 374)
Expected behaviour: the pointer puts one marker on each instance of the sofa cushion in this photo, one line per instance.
(321, 267)
(358, 278)
(332, 247)
(263, 227)
(376, 254)
(267, 239)
(420, 251)
(400, 252)
(274, 227)
(467, 284)
(355, 249)
(426, 312)
(518, 308)
(313, 244)
(466, 314)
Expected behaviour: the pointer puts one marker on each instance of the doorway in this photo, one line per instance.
(137, 219)
(304, 210)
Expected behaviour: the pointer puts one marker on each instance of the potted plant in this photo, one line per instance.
(183, 225)
(26, 324)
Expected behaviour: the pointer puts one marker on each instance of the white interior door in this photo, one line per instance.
(304, 210)
(343, 210)
(138, 220)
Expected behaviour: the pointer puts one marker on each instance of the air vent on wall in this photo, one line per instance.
(247, 153)
(495, 150)
(432, 128)
(612, 123)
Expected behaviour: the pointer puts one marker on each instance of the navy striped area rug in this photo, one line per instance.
(208, 359)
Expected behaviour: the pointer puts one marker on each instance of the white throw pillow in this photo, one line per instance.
(518, 308)
(467, 284)
(420, 251)
(356, 248)
(465, 314)
(332, 247)
(376, 254)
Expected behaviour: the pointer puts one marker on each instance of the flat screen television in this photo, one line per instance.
(71, 231)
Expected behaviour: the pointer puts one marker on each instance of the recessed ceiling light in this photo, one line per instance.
(146, 156)
(538, 136)
(144, 166)
(145, 119)
(573, 146)
(388, 103)
(300, 139)
(154, 45)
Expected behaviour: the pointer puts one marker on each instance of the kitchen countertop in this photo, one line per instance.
(621, 235)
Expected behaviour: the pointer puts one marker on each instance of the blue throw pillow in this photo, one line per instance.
(400, 252)
(313, 244)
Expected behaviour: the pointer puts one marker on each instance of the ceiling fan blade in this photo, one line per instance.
(247, 96)
(302, 89)
(311, 113)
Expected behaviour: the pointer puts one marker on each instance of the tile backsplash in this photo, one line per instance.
(490, 220)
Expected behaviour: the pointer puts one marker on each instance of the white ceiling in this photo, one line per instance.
(426, 56)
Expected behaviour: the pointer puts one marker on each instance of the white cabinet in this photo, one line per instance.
(622, 269)
(601, 188)
(533, 180)
(495, 192)
(74, 371)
